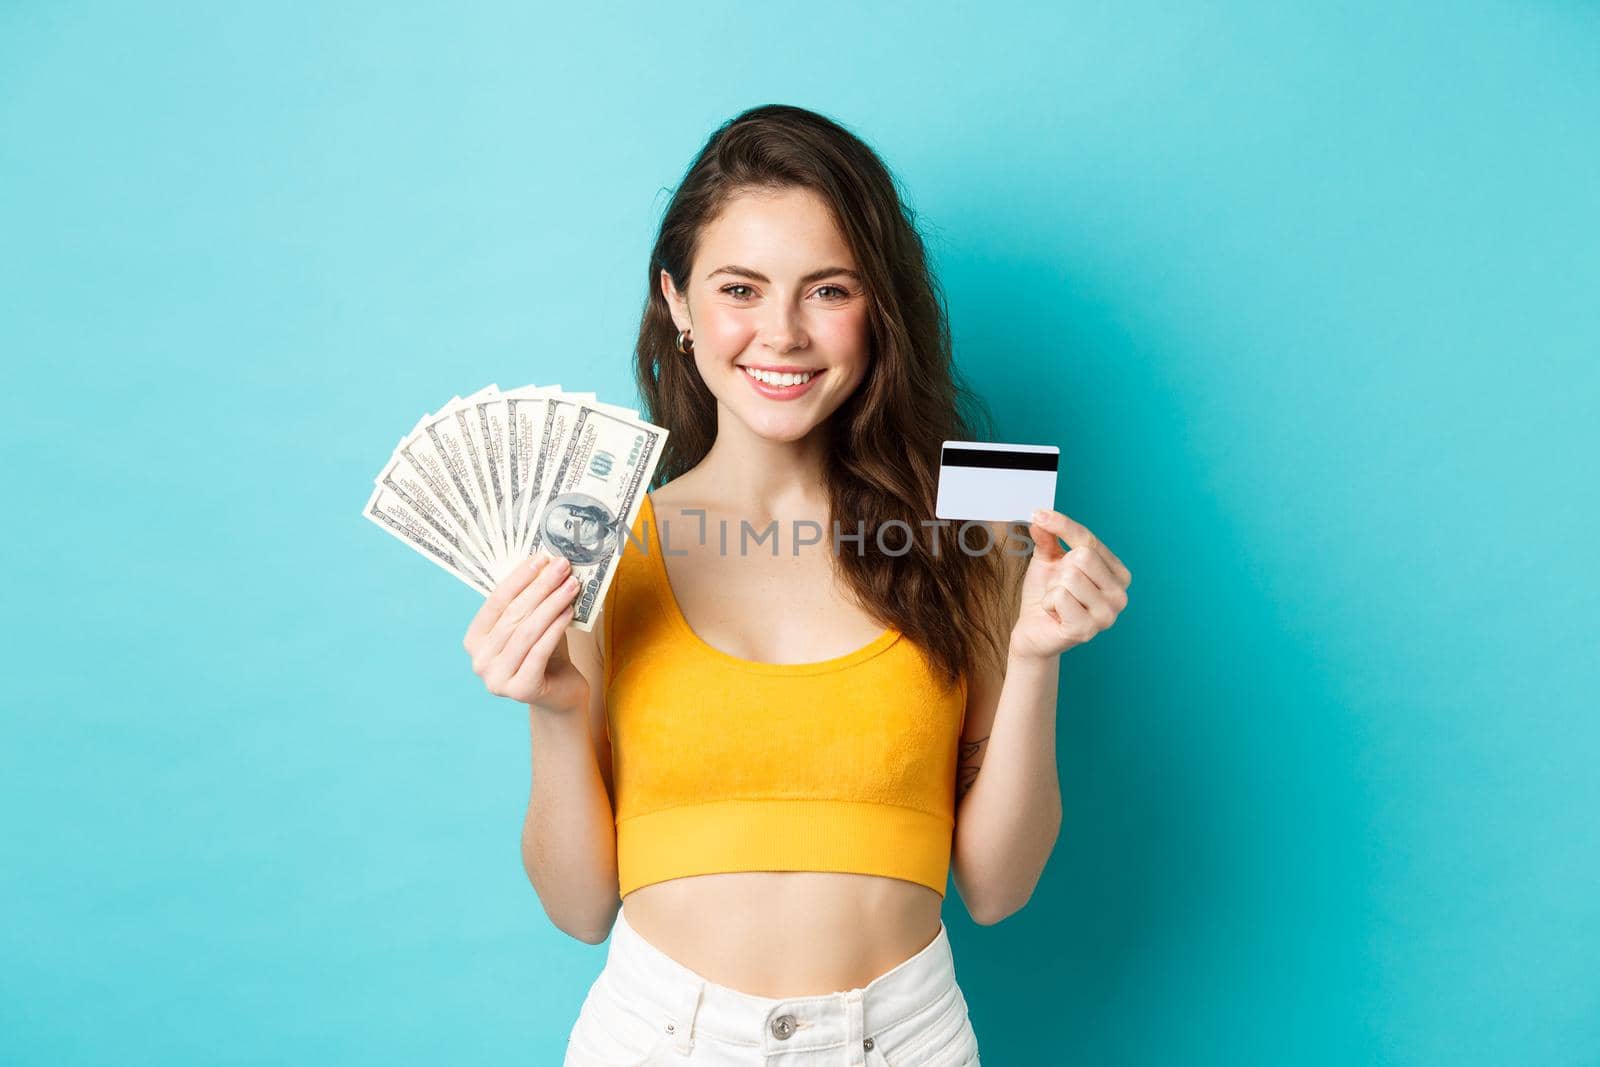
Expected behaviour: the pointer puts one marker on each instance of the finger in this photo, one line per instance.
(542, 646)
(507, 588)
(1077, 535)
(1062, 606)
(528, 630)
(551, 576)
(1074, 534)
(1124, 575)
(1094, 565)
(1046, 547)
(512, 655)
(1096, 604)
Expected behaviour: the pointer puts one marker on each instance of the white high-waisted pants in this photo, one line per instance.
(648, 1010)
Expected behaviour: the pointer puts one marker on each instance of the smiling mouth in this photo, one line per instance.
(780, 379)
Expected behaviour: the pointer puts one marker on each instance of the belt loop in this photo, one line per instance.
(685, 1011)
(855, 1026)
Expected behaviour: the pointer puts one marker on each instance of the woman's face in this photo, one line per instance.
(773, 286)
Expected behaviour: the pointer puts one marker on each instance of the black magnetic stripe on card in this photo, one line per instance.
(988, 457)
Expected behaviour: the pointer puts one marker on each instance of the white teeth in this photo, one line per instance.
(778, 379)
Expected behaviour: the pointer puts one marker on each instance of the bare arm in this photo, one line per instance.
(569, 843)
(524, 649)
(1008, 796)
(1008, 816)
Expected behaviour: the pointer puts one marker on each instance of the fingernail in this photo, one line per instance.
(572, 582)
(1038, 514)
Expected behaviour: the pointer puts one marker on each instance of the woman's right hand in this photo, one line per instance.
(516, 640)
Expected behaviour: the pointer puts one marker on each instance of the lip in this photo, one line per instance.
(783, 392)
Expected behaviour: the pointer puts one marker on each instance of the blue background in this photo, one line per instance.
(1307, 297)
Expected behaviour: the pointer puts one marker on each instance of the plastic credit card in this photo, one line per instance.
(994, 482)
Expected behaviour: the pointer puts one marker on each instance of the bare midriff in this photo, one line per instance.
(786, 933)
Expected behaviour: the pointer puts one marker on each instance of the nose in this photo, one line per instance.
(783, 330)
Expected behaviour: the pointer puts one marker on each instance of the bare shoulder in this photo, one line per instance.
(674, 496)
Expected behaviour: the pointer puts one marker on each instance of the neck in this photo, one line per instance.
(757, 476)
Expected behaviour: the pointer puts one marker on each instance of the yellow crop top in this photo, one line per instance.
(726, 764)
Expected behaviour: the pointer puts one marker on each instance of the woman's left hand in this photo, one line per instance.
(1067, 597)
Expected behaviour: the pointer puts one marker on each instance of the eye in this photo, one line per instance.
(841, 290)
(729, 289)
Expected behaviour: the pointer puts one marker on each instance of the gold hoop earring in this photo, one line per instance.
(683, 335)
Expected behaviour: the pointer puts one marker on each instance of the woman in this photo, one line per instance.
(756, 772)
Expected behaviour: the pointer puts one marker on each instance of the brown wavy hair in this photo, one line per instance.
(884, 464)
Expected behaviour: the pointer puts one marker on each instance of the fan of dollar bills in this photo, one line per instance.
(488, 480)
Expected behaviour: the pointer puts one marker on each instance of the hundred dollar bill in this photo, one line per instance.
(593, 498)
(495, 438)
(553, 437)
(470, 426)
(526, 409)
(400, 478)
(390, 512)
(452, 445)
(463, 484)
(422, 460)
(555, 417)
(509, 498)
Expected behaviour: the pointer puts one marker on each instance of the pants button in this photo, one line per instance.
(782, 1027)
(867, 1044)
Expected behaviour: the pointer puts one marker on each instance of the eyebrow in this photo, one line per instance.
(757, 276)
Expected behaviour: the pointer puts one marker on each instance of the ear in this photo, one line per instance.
(677, 303)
